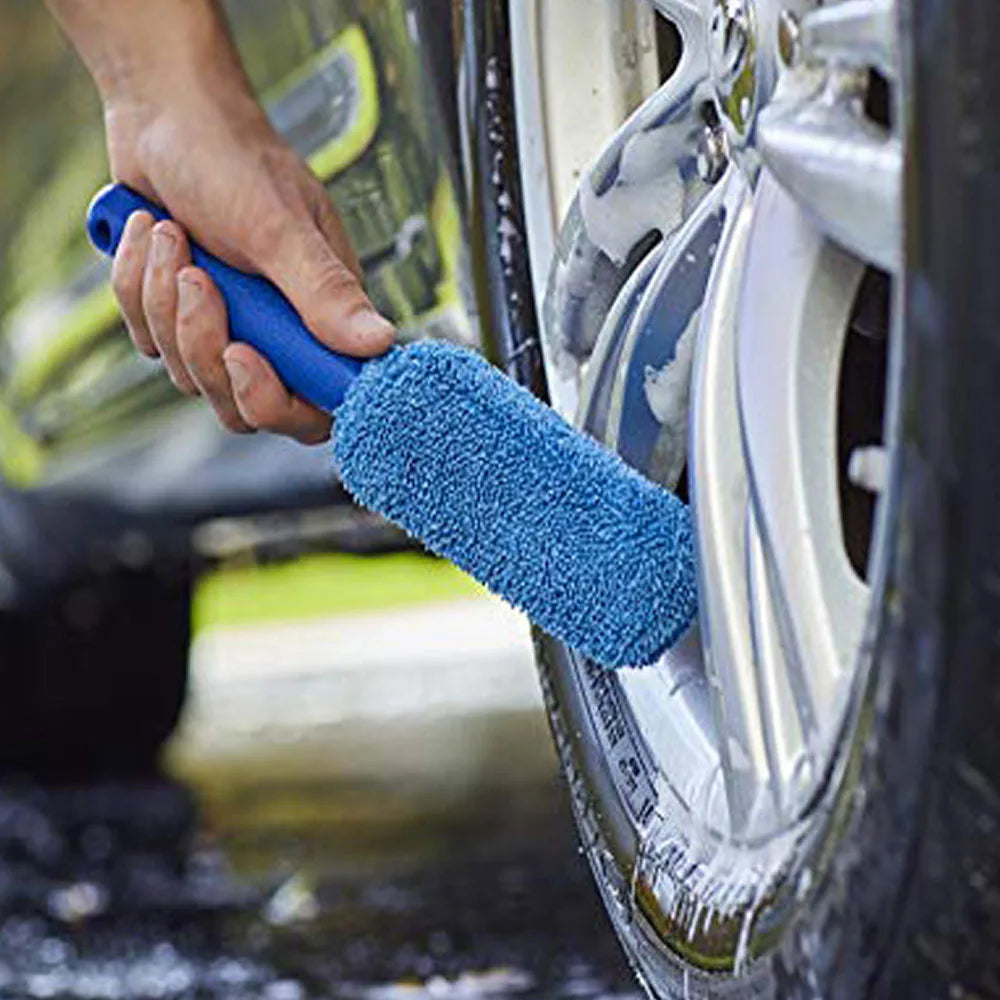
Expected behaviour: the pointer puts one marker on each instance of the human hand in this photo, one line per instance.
(189, 135)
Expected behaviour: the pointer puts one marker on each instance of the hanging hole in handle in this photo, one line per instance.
(101, 235)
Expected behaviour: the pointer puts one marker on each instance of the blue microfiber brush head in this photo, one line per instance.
(471, 464)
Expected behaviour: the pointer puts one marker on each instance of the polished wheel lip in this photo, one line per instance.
(547, 192)
(766, 630)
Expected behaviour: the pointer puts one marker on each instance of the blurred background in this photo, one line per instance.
(254, 744)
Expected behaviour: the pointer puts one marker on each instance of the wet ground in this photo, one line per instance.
(344, 844)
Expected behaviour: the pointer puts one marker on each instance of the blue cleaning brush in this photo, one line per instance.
(433, 437)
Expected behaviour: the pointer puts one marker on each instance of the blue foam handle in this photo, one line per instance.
(259, 315)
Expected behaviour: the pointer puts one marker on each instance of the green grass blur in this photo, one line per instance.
(323, 585)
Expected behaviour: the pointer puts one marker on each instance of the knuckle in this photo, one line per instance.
(336, 278)
(335, 286)
(167, 227)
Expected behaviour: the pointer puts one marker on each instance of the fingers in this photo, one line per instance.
(264, 403)
(202, 336)
(127, 273)
(239, 384)
(168, 254)
(144, 279)
(174, 311)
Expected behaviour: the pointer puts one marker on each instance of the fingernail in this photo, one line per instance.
(239, 375)
(367, 324)
(163, 246)
(188, 294)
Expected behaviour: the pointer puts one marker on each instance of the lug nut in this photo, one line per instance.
(789, 38)
(731, 38)
(868, 468)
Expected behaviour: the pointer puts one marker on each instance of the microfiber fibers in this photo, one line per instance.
(472, 465)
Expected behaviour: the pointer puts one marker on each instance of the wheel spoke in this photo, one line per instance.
(844, 170)
(789, 721)
(795, 305)
(719, 486)
(855, 33)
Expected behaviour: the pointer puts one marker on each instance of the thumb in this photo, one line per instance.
(325, 292)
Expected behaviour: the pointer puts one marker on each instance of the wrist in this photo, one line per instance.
(192, 82)
(154, 61)
(147, 50)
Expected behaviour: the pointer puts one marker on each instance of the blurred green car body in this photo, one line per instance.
(113, 488)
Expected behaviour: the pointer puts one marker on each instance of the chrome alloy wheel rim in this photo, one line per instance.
(698, 293)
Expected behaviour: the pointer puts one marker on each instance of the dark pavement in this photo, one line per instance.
(389, 860)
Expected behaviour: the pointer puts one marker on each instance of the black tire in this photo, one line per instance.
(906, 900)
(949, 941)
(93, 677)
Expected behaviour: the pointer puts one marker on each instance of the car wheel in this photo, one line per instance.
(704, 261)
